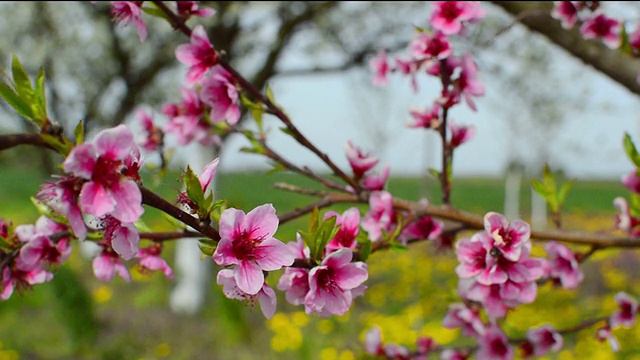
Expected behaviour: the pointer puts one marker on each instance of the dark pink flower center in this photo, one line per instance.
(326, 280)
(244, 246)
(450, 11)
(106, 172)
(498, 347)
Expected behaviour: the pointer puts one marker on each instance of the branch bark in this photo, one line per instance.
(616, 65)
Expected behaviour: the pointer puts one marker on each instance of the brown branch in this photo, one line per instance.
(10, 140)
(619, 67)
(165, 236)
(152, 199)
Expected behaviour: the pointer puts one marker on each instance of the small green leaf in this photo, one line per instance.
(435, 173)
(564, 190)
(79, 133)
(194, 189)
(630, 149)
(174, 222)
(155, 12)
(40, 97)
(397, 247)
(142, 226)
(16, 102)
(269, 93)
(61, 144)
(625, 46)
(287, 131)
(206, 247)
(21, 79)
(365, 250)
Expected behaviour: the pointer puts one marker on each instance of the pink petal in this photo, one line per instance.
(352, 275)
(103, 268)
(262, 222)
(267, 298)
(249, 277)
(128, 207)
(114, 143)
(230, 222)
(96, 200)
(81, 161)
(274, 254)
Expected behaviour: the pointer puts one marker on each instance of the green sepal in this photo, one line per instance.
(155, 12)
(630, 149)
(21, 79)
(365, 250)
(207, 246)
(15, 101)
(194, 189)
(79, 133)
(61, 144)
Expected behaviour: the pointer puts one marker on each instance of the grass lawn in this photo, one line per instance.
(76, 316)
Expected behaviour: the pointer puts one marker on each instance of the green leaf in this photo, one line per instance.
(61, 144)
(20, 78)
(287, 131)
(40, 97)
(397, 247)
(539, 187)
(174, 222)
(269, 93)
(206, 248)
(326, 231)
(155, 12)
(630, 149)
(625, 46)
(194, 189)
(564, 190)
(142, 226)
(15, 101)
(435, 173)
(79, 133)
(365, 250)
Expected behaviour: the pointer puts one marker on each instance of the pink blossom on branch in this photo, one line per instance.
(332, 284)
(21, 276)
(449, 16)
(265, 295)
(247, 244)
(380, 217)
(602, 27)
(375, 181)
(624, 220)
(150, 260)
(627, 312)
(460, 134)
(542, 340)
(186, 9)
(199, 55)
(566, 12)
(459, 315)
(108, 264)
(346, 235)
(187, 121)
(62, 197)
(494, 345)
(564, 265)
(507, 237)
(219, 92)
(632, 181)
(151, 137)
(103, 162)
(430, 47)
(130, 12)
(604, 333)
(295, 281)
(380, 67)
(360, 161)
(428, 118)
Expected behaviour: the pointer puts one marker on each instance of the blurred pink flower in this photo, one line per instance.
(602, 27)
(265, 295)
(199, 55)
(380, 67)
(130, 12)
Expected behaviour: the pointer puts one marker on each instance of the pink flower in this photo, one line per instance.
(103, 162)
(427, 47)
(295, 281)
(624, 220)
(634, 41)
(632, 181)
(380, 67)
(186, 9)
(219, 92)
(346, 235)
(452, 354)
(246, 241)
(566, 12)
(21, 276)
(360, 161)
(498, 298)
(460, 316)
(376, 182)
(373, 341)
(602, 27)
(626, 315)
(151, 135)
(380, 216)
(448, 16)
(494, 345)
(186, 120)
(331, 283)
(130, 12)
(123, 237)
(150, 260)
(428, 119)
(199, 54)
(507, 237)
(564, 265)
(423, 228)
(396, 352)
(460, 134)
(107, 264)
(605, 333)
(467, 84)
(40, 249)
(544, 339)
(408, 67)
(265, 295)
(62, 197)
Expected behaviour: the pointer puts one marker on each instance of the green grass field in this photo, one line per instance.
(76, 316)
